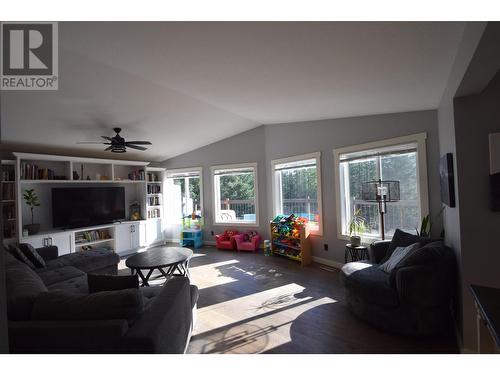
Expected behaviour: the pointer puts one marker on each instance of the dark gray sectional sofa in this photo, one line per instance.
(44, 317)
(415, 298)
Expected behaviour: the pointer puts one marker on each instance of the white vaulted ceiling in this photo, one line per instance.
(183, 85)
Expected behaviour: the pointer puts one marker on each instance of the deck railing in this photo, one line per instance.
(404, 214)
(303, 207)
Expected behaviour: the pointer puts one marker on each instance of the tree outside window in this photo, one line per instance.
(296, 187)
(235, 194)
(399, 163)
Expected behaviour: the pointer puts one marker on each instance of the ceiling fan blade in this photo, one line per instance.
(106, 138)
(138, 142)
(108, 148)
(92, 143)
(137, 147)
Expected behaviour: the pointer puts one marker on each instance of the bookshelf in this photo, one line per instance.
(8, 200)
(296, 247)
(89, 239)
(154, 192)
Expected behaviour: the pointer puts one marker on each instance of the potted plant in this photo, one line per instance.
(31, 200)
(357, 226)
(426, 225)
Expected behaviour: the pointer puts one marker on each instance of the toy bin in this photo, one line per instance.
(191, 238)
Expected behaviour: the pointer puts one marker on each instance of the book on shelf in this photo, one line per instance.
(8, 192)
(154, 189)
(154, 201)
(33, 172)
(8, 175)
(154, 213)
(91, 236)
(9, 230)
(137, 175)
(9, 212)
(152, 177)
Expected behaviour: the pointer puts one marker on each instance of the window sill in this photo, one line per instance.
(364, 240)
(236, 224)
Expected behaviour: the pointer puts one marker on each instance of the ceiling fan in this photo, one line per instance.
(118, 144)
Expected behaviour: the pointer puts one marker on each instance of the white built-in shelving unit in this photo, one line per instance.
(43, 172)
(155, 178)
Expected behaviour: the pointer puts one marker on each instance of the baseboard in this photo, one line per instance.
(176, 240)
(328, 262)
(467, 351)
(172, 240)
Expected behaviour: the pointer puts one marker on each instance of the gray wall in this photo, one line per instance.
(467, 114)
(446, 124)
(475, 117)
(281, 140)
(245, 147)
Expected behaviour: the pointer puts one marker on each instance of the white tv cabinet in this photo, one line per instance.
(124, 237)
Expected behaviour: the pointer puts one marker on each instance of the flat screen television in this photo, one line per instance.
(84, 207)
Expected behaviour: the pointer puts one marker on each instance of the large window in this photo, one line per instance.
(235, 194)
(401, 159)
(297, 188)
(184, 194)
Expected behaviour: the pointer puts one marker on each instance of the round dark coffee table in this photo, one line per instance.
(170, 261)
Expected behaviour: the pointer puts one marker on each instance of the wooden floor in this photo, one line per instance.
(250, 303)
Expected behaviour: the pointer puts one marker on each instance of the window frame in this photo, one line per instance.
(275, 190)
(254, 166)
(419, 139)
(170, 172)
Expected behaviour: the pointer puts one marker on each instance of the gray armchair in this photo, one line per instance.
(414, 299)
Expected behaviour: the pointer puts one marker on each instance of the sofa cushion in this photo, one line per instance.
(50, 277)
(149, 294)
(75, 285)
(62, 305)
(30, 253)
(87, 261)
(23, 286)
(99, 283)
(370, 283)
(19, 255)
(403, 239)
(397, 256)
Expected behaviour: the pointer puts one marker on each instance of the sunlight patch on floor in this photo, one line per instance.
(253, 323)
(209, 275)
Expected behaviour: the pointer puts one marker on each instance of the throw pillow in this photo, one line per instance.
(397, 256)
(404, 239)
(32, 255)
(99, 283)
(431, 252)
(124, 304)
(19, 255)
